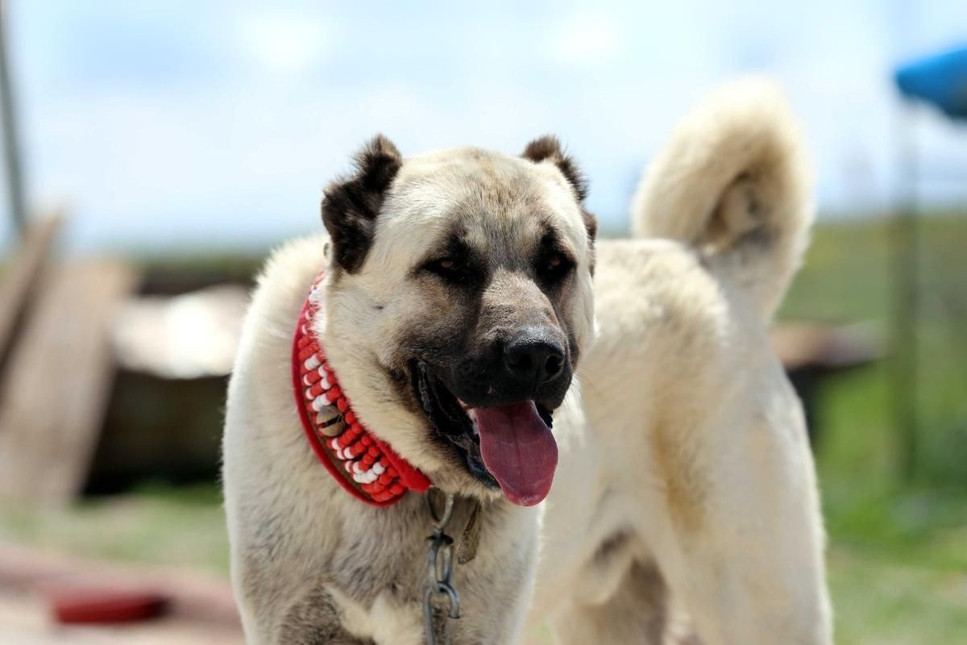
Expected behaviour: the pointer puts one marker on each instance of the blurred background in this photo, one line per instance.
(155, 151)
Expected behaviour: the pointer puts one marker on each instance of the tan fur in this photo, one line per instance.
(686, 487)
(685, 484)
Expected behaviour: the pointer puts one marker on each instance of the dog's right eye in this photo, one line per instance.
(449, 269)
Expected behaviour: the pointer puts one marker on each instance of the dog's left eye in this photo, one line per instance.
(554, 267)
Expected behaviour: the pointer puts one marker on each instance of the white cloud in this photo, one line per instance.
(284, 43)
(586, 39)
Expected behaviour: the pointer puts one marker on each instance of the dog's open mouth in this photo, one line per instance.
(510, 446)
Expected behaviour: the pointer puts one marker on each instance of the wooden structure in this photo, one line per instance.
(811, 354)
(56, 380)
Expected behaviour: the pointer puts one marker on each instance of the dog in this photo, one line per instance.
(626, 461)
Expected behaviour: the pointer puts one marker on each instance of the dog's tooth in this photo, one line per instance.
(312, 362)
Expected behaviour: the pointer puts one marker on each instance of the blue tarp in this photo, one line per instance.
(940, 80)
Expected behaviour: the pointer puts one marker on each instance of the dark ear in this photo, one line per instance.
(350, 206)
(548, 148)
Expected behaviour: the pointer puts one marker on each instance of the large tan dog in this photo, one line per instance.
(465, 302)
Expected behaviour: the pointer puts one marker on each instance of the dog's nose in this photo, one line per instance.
(534, 357)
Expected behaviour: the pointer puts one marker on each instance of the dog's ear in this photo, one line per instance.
(350, 206)
(548, 148)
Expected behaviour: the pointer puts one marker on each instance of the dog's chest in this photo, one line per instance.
(385, 621)
(491, 606)
(376, 580)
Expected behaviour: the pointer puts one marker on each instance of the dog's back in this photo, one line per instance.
(688, 464)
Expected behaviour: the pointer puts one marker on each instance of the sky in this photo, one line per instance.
(165, 125)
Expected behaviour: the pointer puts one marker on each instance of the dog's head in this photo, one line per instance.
(459, 302)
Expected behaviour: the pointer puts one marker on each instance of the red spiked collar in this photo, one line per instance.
(362, 464)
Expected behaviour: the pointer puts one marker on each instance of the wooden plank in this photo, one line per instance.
(55, 392)
(810, 346)
(21, 275)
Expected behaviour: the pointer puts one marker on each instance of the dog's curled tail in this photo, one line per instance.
(733, 182)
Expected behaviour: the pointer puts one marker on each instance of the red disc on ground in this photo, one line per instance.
(80, 605)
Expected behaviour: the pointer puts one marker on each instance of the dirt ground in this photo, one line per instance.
(25, 620)
(201, 611)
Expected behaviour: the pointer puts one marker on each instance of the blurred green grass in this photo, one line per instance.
(156, 523)
(898, 550)
(898, 554)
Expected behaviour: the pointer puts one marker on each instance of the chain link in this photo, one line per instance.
(439, 567)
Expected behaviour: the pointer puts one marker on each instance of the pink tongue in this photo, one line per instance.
(519, 451)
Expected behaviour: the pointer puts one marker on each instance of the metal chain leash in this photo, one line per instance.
(439, 567)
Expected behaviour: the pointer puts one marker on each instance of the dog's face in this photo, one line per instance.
(458, 305)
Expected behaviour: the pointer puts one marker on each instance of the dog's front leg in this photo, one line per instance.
(740, 536)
